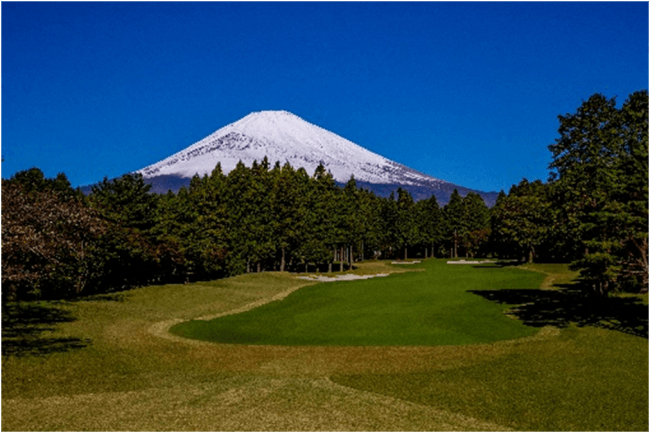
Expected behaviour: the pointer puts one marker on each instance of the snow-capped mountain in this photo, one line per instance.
(285, 137)
(282, 136)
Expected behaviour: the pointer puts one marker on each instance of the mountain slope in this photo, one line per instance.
(285, 137)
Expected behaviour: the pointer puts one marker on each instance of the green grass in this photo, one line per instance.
(93, 364)
(585, 380)
(434, 307)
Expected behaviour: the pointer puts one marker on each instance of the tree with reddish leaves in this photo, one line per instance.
(49, 238)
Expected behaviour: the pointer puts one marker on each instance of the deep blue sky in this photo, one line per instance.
(466, 92)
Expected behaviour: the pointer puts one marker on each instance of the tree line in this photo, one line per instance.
(593, 211)
(59, 243)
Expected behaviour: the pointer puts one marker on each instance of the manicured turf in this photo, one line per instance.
(584, 380)
(94, 364)
(433, 307)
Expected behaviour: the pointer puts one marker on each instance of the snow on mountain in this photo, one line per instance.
(282, 136)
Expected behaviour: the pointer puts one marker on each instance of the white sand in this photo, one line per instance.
(469, 262)
(344, 277)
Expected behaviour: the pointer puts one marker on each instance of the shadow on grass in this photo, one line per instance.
(106, 297)
(23, 326)
(568, 305)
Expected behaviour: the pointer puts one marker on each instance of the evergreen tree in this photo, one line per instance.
(351, 213)
(323, 208)
(126, 202)
(407, 229)
(455, 218)
(391, 241)
(522, 220)
(289, 211)
(371, 225)
(129, 243)
(204, 237)
(260, 223)
(476, 224)
(430, 224)
(600, 179)
(240, 208)
(632, 192)
(500, 244)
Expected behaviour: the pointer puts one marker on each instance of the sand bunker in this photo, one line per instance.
(470, 262)
(406, 263)
(344, 277)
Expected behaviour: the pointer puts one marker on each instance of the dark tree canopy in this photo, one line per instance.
(600, 184)
(593, 211)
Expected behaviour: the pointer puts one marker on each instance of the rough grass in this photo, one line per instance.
(434, 307)
(94, 364)
(583, 380)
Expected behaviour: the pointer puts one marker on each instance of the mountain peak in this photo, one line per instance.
(282, 136)
(272, 113)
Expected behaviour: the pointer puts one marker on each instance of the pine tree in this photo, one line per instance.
(407, 229)
(430, 224)
(455, 218)
(323, 209)
(351, 214)
(477, 224)
(240, 208)
(522, 220)
(390, 216)
(289, 211)
(129, 244)
(632, 191)
(125, 201)
(500, 244)
(599, 172)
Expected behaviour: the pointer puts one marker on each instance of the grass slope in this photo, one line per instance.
(433, 307)
(585, 380)
(93, 364)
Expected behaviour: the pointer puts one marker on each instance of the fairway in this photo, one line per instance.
(94, 364)
(427, 308)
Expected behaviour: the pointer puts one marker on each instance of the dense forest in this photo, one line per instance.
(592, 212)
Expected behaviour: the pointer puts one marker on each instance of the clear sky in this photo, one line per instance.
(465, 92)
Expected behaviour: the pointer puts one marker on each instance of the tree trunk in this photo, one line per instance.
(282, 261)
(363, 249)
(248, 266)
(329, 267)
(341, 259)
(433, 256)
(405, 253)
(259, 267)
(306, 267)
(350, 257)
(455, 244)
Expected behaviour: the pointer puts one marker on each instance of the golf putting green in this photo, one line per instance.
(433, 307)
